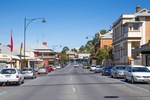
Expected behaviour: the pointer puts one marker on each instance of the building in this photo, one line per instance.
(130, 31)
(9, 59)
(43, 53)
(104, 41)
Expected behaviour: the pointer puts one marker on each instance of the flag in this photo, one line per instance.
(21, 50)
(11, 42)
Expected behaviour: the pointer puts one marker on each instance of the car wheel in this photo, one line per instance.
(1, 84)
(22, 81)
(132, 80)
(32, 77)
(125, 79)
(19, 82)
(111, 75)
(115, 75)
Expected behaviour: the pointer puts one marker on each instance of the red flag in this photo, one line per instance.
(11, 42)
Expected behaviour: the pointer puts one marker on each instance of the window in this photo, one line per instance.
(137, 19)
(8, 71)
(135, 26)
(125, 29)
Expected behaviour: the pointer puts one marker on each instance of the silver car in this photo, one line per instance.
(29, 73)
(118, 71)
(98, 69)
(42, 70)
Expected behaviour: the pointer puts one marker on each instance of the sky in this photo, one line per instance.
(68, 22)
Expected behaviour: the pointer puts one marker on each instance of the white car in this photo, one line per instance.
(148, 67)
(92, 67)
(76, 65)
(11, 75)
(58, 67)
(137, 73)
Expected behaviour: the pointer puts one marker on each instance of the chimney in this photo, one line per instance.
(137, 8)
(45, 43)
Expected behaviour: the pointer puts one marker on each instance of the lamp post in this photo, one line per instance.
(26, 24)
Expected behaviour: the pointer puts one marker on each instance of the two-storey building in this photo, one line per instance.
(130, 31)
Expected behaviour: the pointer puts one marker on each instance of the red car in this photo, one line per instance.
(49, 69)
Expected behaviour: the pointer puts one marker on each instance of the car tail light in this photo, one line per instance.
(31, 72)
(17, 76)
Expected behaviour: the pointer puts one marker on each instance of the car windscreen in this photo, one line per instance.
(93, 66)
(140, 69)
(108, 67)
(8, 71)
(120, 67)
(26, 69)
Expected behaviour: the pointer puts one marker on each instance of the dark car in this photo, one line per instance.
(107, 70)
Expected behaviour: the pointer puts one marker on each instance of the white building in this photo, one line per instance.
(130, 31)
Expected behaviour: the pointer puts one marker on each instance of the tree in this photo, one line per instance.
(64, 58)
(102, 54)
(103, 31)
(74, 50)
(82, 49)
(64, 50)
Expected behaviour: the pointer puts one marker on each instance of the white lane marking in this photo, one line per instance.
(74, 90)
(18, 87)
(3, 92)
(71, 78)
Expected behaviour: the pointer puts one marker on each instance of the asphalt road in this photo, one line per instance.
(71, 83)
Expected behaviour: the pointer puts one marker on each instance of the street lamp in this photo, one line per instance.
(26, 24)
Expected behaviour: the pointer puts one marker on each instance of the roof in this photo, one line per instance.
(107, 35)
(70, 53)
(6, 50)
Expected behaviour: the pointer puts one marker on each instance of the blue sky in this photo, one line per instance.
(68, 22)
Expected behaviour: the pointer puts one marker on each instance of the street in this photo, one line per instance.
(71, 83)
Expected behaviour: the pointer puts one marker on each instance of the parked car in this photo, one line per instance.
(42, 70)
(137, 73)
(107, 70)
(29, 73)
(85, 66)
(118, 71)
(148, 67)
(53, 67)
(58, 67)
(76, 65)
(11, 75)
(98, 69)
(49, 69)
(92, 67)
